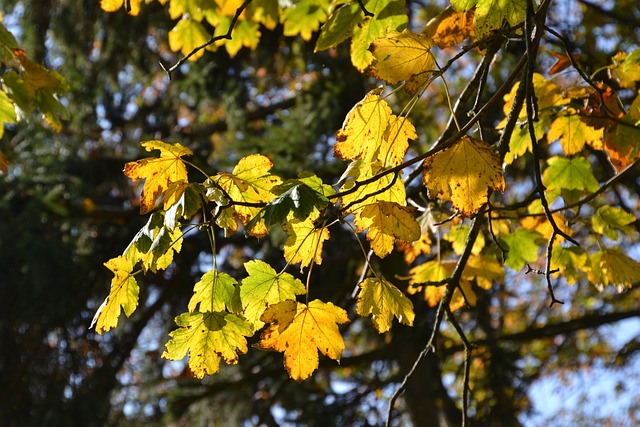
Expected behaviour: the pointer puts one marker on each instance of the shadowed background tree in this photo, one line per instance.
(66, 208)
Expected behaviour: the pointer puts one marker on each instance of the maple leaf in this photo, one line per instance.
(608, 219)
(490, 14)
(430, 271)
(363, 128)
(403, 56)
(186, 36)
(123, 295)
(383, 301)
(522, 245)
(245, 34)
(305, 241)
(570, 174)
(264, 12)
(159, 173)
(570, 262)
(115, 5)
(155, 244)
(463, 174)
(264, 287)
(388, 15)
(184, 199)
(387, 221)
(215, 291)
(300, 331)
(304, 17)
(339, 27)
(450, 27)
(626, 68)
(613, 267)
(208, 337)
(458, 234)
(573, 133)
(485, 269)
(414, 249)
(250, 182)
(622, 143)
(388, 188)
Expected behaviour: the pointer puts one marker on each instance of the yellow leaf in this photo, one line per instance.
(245, 34)
(304, 17)
(114, 5)
(573, 133)
(414, 249)
(363, 129)
(214, 292)
(208, 337)
(186, 36)
(485, 269)
(305, 241)
(450, 27)
(264, 287)
(371, 192)
(613, 267)
(159, 173)
(251, 183)
(463, 173)
(383, 301)
(403, 56)
(387, 221)
(300, 331)
(395, 142)
(123, 294)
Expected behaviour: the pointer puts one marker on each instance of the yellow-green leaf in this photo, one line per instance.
(458, 234)
(300, 331)
(264, 287)
(490, 14)
(463, 174)
(215, 291)
(186, 36)
(159, 173)
(573, 133)
(609, 219)
(613, 267)
(383, 301)
(304, 17)
(123, 295)
(208, 337)
(305, 241)
(569, 174)
(7, 111)
(522, 246)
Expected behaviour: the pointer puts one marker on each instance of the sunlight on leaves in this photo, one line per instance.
(123, 295)
(383, 301)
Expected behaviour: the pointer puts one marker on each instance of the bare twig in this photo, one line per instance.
(467, 364)
(364, 9)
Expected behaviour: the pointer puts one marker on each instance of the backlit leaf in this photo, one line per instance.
(304, 17)
(264, 12)
(215, 291)
(389, 188)
(570, 174)
(245, 34)
(613, 267)
(159, 173)
(305, 241)
(7, 111)
(573, 133)
(186, 36)
(208, 337)
(386, 222)
(155, 244)
(403, 56)
(185, 200)
(609, 219)
(300, 331)
(384, 301)
(627, 68)
(114, 5)
(123, 295)
(522, 246)
(570, 261)
(463, 174)
(251, 183)
(264, 287)
(490, 14)
(339, 26)
(458, 235)
(450, 27)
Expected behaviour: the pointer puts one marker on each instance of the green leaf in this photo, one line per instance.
(490, 14)
(608, 219)
(208, 337)
(304, 17)
(627, 68)
(339, 26)
(264, 287)
(7, 111)
(569, 174)
(388, 15)
(570, 261)
(6, 38)
(458, 238)
(383, 301)
(522, 245)
(216, 291)
(154, 244)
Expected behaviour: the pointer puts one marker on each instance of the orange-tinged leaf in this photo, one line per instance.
(363, 129)
(463, 174)
(403, 56)
(123, 295)
(300, 331)
(159, 173)
(264, 287)
(574, 133)
(387, 221)
(35, 76)
(414, 249)
(250, 182)
(305, 241)
(208, 337)
(562, 62)
(384, 301)
(450, 27)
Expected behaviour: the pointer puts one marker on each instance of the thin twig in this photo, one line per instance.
(209, 42)
(467, 364)
(364, 9)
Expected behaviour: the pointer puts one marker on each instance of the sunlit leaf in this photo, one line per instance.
(215, 291)
(300, 331)
(450, 27)
(627, 68)
(570, 261)
(463, 174)
(208, 337)
(304, 17)
(386, 222)
(305, 241)
(613, 267)
(609, 219)
(7, 111)
(123, 295)
(186, 36)
(339, 26)
(384, 301)
(522, 246)
(264, 287)
(245, 34)
(574, 133)
(114, 5)
(458, 235)
(490, 14)
(570, 174)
